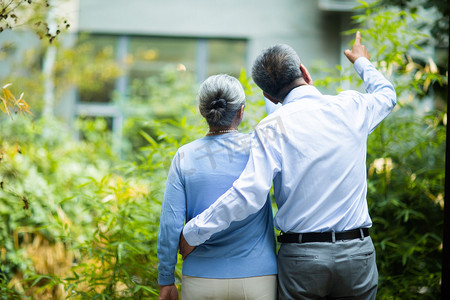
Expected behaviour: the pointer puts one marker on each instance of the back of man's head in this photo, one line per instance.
(275, 69)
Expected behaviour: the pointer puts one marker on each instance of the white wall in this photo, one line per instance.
(313, 33)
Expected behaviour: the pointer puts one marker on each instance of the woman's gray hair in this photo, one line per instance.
(220, 97)
(276, 68)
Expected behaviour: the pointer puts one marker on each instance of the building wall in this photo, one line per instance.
(312, 32)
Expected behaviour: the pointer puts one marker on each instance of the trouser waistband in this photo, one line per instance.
(315, 237)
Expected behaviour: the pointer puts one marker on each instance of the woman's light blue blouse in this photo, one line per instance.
(200, 173)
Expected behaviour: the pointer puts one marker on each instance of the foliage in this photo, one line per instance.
(9, 102)
(164, 114)
(5, 291)
(439, 26)
(406, 201)
(91, 69)
(32, 14)
(40, 169)
(81, 222)
(80, 65)
(119, 258)
(394, 39)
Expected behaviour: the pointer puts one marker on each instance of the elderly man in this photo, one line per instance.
(313, 149)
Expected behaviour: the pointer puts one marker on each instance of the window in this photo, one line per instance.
(141, 57)
(95, 88)
(138, 59)
(148, 57)
(226, 56)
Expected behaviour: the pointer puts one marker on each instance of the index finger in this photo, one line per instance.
(358, 38)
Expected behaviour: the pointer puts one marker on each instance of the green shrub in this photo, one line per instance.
(81, 220)
(406, 200)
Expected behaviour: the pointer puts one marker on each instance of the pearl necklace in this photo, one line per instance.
(222, 131)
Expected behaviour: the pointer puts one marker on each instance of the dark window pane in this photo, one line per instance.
(98, 84)
(226, 56)
(150, 56)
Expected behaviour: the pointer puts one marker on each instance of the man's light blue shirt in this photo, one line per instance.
(201, 171)
(313, 149)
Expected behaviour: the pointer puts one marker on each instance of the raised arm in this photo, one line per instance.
(381, 97)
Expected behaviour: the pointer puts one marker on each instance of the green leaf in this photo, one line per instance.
(149, 139)
(39, 279)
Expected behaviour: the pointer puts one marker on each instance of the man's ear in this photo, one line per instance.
(306, 76)
(270, 98)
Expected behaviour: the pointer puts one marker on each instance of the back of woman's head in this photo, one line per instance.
(220, 97)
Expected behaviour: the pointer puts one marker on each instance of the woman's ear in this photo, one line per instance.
(241, 112)
(306, 76)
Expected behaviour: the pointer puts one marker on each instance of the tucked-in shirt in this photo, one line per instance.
(200, 172)
(313, 149)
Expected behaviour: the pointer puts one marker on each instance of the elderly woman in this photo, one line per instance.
(237, 263)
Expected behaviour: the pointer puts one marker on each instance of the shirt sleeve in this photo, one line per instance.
(381, 97)
(248, 193)
(173, 212)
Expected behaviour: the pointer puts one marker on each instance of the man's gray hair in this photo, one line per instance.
(276, 68)
(220, 97)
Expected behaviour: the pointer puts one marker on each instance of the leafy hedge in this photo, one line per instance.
(80, 220)
(406, 201)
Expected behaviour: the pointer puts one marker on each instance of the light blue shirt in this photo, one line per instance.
(313, 149)
(270, 106)
(201, 171)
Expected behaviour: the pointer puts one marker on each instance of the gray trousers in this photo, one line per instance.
(340, 270)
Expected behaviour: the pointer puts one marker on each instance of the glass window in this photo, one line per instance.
(141, 57)
(226, 56)
(98, 67)
(150, 56)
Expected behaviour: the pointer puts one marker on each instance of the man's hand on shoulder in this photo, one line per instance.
(357, 51)
(168, 292)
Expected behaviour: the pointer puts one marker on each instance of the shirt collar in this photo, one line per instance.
(301, 92)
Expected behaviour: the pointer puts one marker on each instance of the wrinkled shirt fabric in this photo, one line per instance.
(313, 150)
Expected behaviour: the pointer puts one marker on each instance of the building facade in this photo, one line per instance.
(202, 37)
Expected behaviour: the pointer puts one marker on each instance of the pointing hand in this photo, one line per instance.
(357, 51)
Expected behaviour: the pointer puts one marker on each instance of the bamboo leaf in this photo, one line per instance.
(149, 139)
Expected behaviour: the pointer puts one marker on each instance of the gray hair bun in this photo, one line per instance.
(217, 110)
(218, 103)
(220, 97)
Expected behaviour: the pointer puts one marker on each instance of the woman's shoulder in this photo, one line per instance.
(209, 143)
(235, 136)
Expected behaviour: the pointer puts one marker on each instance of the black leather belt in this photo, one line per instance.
(314, 237)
